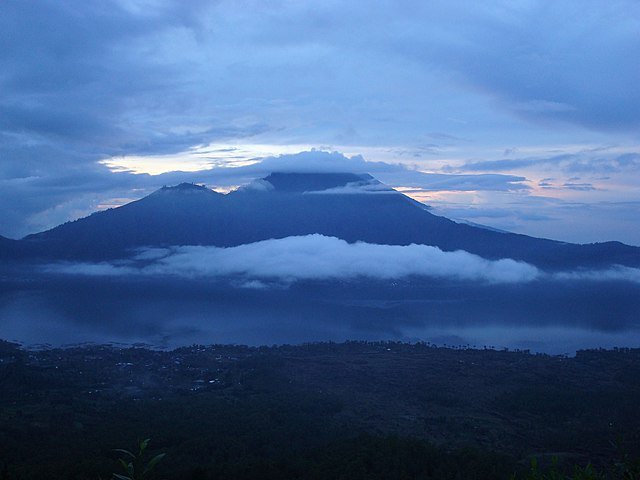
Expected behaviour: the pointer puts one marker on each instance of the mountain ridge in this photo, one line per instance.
(353, 207)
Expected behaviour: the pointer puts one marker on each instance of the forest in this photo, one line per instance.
(322, 410)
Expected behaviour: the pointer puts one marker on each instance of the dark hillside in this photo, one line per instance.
(316, 411)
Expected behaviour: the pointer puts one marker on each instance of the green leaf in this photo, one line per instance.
(124, 464)
(121, 477)
(144, 444)
(153, 462)
(126, 452)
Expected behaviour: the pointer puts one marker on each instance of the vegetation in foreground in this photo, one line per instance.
(352, 410)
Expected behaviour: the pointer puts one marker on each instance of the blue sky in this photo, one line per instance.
(520, 115)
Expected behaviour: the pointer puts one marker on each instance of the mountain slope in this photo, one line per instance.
(10, 248)
(169, 216)
(348, 206)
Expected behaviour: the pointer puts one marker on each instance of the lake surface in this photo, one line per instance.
(550, 316)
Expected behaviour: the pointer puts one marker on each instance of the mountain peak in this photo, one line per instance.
(309, 182)
(184, 188)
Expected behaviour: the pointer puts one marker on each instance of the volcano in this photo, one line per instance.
(352, 207)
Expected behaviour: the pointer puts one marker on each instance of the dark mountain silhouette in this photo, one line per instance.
(11, 248)
(348, 206)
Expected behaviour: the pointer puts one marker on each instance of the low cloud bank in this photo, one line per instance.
(615, 273)
(311, 257)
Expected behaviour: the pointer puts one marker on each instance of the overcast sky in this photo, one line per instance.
(520, 115)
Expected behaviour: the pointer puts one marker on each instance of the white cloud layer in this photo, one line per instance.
(311, 257)
(616, 273)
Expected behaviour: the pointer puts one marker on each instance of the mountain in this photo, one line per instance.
(348, 206)
(11, 248)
